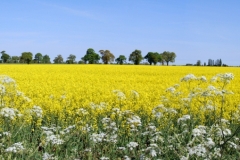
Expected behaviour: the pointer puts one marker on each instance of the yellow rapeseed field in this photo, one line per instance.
(61, 90)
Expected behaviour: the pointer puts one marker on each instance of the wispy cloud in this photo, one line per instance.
(76, 12)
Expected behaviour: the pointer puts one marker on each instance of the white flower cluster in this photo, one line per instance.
(47, 156)
(97, 138)
(51, 137)
(100, 106)
(10, 113)
(36, 111)
(132, 145)
(16, 147)
(183, 118)
(188, 77)
(160, 110)
(119, 94)
(6, 79)
(224, 77)
(67, 130)
(8, 134)
(135, 94)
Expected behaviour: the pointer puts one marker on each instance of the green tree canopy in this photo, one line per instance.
(5, 57)
(121, 59)
(91, 57)
(71, 59)
(153, 57)
(107, 56)
(168, 56)
(136, 57)
(38, 57)
(15, 59)
(58, 59)
(46, 59)
(26, 57)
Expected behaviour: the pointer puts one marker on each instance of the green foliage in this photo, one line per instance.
(58, 59)
(5, 57)
(107, 56)
(121, 59)
(168, 56)
(136, 57)
(71, 59)
(38, 58)
(46, 59)
(153, 58)
(91, 57)
(26, 57)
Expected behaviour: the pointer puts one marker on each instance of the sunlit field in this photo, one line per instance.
(119, 112)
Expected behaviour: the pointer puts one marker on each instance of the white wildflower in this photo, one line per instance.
(183, 118)
(8, 113)
(210, 143)
(188, 77)
(104, 158)
(6, 79)
(54, 139)
(199, 151)
(96, 138)
(132, 145)
(36, 111)
(67, 130)
(135, 94)
(16, 147)
(171, 89)
(47, 156)
(119, 94)
(203, 78)
(126, 158)
(122, 148)
(199, 131)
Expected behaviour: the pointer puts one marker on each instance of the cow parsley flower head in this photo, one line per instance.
(36, 111)
(183, 118)
(135, 94)
(188, 77)
(8, 113)
(132, 145)
(119, 94)
(47, 156)
(171, 90)
(16, 147)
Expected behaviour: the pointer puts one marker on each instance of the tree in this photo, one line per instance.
(58, 59)
(153, 57)
(121, 59)
(46, 59)
(71, 59)
(161, 60)
(107, 56)
(38, 57)
(198, 63)
(15, 59)
(136, 57)
(168, 56)
(5, 57)
(91, 57)
(26, 57)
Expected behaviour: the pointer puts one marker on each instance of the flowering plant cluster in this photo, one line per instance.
(190, 122)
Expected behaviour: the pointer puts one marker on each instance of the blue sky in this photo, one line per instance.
(194, 30)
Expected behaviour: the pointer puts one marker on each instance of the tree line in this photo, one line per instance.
(91, 57)
(211, 62)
